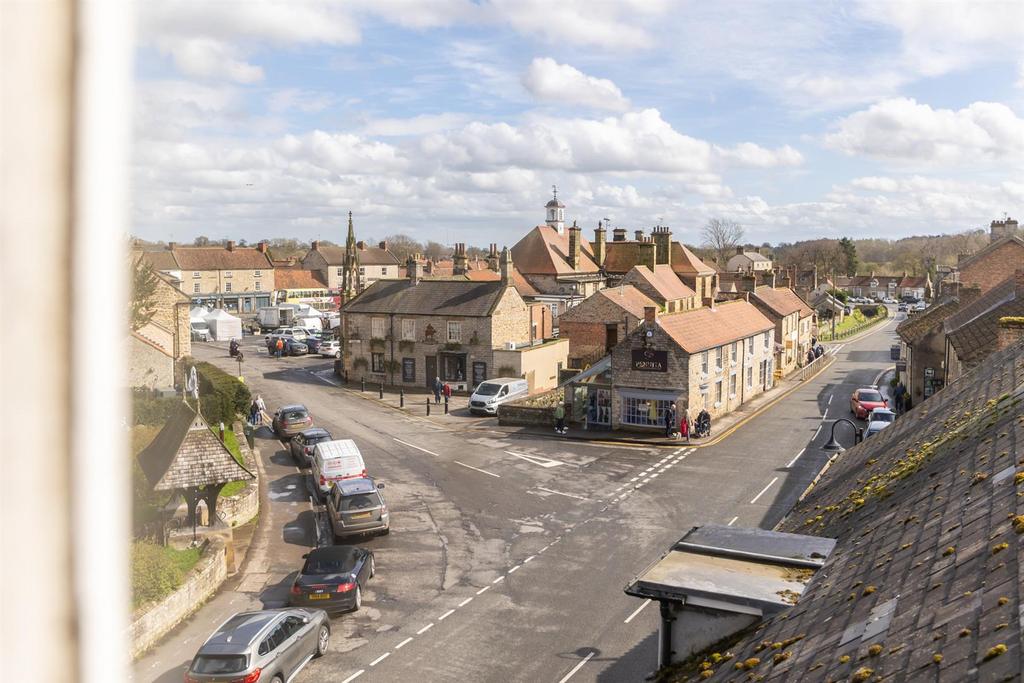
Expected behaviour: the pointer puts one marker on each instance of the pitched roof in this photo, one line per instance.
(706, 328)
(298, 278)
(974, 258)
(917, 327)
(663, 279)
(686, 262)
(157, 336)
(626, 297)
(186, 453)
(753, 256)
(521, 284)
(913, 281)
(621, 256)
(221, 258)
(368, 256)
(542, 251)
(927, 560)
(782, 301)
(974, 328)
(160, 260)
(883, 280)
(428, 297)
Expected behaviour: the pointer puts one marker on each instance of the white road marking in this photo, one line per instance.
(678, 451)
(380, 659)
(403, 643)
(560, 493)
(406, 443)
(446, 615)
(732, 521)
(532, 557)
(466, 601)
(354, 676)
(764, 490)
(656, 474)
(816, 432)
(514, 569)
(577, 667)
(824, 416)
(491, 474)
(536, 459)
(483, 590)
(555, 541)
(793, 461)
(498, 580)
(324, 379)
(829, 399)
(633, 479)
(637, 611)
(425, 629)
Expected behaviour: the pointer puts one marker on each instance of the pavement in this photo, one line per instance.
(509, 551)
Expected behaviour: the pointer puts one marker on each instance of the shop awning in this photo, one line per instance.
(591, 373)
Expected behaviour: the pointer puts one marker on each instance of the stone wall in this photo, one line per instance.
(241, 508)
(148, 366)
(153, 622)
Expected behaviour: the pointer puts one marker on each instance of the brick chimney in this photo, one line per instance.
(599, 245)
(230, 245)
(383, 245)
(459, 261)
(647, 253)
(619, 235)
(574, 246)
(650, 315)
(171, 245)
(1011, 331)
(638, 235)
(261, 246)
(492, 257)
(315, 245)
(739, 250)
(747, 283)
(361, 245)
(414, 269)
(662, 236)
(506, 267)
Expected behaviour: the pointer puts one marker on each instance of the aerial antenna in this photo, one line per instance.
(554, 191)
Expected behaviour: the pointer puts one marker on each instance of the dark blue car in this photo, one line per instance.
(313, 343)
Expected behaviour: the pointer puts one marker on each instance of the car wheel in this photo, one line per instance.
(359, 598)
(323, 639)
(277, 679)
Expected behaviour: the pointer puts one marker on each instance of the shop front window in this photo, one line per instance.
(599, 406)
(453, 367)
(644, 412)
(376, 362)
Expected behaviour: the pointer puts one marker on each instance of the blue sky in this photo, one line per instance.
(451, 119)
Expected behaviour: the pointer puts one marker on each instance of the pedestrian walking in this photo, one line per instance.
(810, 355)
(437, 390)
(279, 346)
(447, 391)
(261, 409)
(670, 420)
(684, 424)
(560, 419)
(253, 412)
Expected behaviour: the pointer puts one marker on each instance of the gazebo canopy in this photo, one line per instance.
(186, 454)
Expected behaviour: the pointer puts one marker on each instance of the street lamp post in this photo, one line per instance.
(833, 445)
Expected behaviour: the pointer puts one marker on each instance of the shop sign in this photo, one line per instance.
(929, 372)
(649, 360)
(408, 369)
(479, 372)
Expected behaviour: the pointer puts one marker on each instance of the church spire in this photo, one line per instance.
(350, 268)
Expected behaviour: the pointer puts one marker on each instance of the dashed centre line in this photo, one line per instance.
(764, 490)
(425, 629)
(403, 643)
(577, 667)
(446, 615)
(406, 443)
(466, 601)
(733, 520)
(793, 461)
(637, 611)
(354, 676)
(380, 659)
(490, 474)
(514, 569)
(483, 590)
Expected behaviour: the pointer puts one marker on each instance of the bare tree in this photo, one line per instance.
(721, 236)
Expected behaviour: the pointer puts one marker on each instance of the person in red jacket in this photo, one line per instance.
(447, 391)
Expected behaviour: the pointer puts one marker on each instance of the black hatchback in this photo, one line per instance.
(302, 444)
(332, 579)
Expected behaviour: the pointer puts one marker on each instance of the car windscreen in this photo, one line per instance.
(324, 565)
(295, 415)
(488, 389)
(218, 664)
(360, 501)
(883, 417)
(870, 396)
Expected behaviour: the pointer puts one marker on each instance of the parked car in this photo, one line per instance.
(302, 444)
(356, 506)
(264, 646)
(330, 348)
(879, 419)
(294, 332)
(334, 461)
(332, 578)
(200, 332)
(889, 300)
(920, 306)
(492, 393)
(902, 308)
(864, 400)
(291, 420)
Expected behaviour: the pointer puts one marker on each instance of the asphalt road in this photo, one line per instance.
(508, 554)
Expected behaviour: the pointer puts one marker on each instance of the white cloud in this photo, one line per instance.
(297, 99)
(341, 153)
(550, 81)
(755, 156)
(415, 125)
(614, 24)
(208, 58)
(903, 130)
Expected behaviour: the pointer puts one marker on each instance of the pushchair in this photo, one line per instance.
(702, 425)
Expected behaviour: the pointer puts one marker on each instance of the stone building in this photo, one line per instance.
(794, 324)
(597, 325)
(986, 268)
(983, 326)
(664, 286)
(372, 263)
(239, 279)
(714, 358)
(407, 332)
(744, 261)
(923, 345)
(619, 256)
(166, 338)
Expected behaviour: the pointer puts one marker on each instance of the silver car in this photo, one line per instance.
(269, 646)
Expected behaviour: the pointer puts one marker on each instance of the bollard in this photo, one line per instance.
(401, 398)
(428, 407)
(445, 405)
(362, 384)
(380, 395)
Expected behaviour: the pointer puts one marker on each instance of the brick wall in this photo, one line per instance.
(994, 267)
(586, 340)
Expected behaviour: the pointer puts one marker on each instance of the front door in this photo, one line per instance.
(611, 338)
(431, 371)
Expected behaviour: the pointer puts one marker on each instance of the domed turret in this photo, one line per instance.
(555, 212)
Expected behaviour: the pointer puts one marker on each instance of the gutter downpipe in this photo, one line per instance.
(665, 640)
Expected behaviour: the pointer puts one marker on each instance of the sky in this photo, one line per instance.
(451, 120)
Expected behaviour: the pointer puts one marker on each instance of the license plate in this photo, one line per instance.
(362, 515)
(319, 596)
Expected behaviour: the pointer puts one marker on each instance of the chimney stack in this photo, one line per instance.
(171, 246)
(506, 267)
(230, 245)
(638, 235)
(619, 235)
(492, 257)
(383, 245)
(650, 315)
(414, 269)
(599, 245)
(748, 282)
(647, 254)
(315, 245)
(662, 236)
(739, 250)
(574, 246)
(1011, 331)
(361, 245)
(459, 261)
(261, 246)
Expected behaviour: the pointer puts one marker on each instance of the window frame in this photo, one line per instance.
(378, 328)
(196, 288)
(227, 287)
(228, 274)
(704, 362)
(196, 274)
(377, 362)
(257, 273)
(719, 358)
(407, 324)
(457, 338)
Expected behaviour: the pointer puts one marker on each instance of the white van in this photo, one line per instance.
(492, 393)
(333, 461)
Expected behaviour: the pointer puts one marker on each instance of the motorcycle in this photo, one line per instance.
(233, 348)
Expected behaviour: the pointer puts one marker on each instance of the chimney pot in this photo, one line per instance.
(315, 246)
(619, 235)
(231, 245)
(171, 245)
(262, 246)
(383, 245)
(639, 235)
(739, 251)
(361, 245)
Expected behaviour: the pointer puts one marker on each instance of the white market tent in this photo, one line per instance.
(197, 314)
(223, 325)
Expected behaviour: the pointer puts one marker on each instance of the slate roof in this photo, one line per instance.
(221, 258)
(782, 301)
(542, 251)
(917, 327)
(627, 297)
(462, 298)
(974, 328)
(368, 256)
(186, 453)
(706, 328)
(754, 256)
(621, 256)
(298, 278)
(930, 544)
(663, 279)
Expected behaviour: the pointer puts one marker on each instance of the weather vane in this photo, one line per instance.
(554, 191)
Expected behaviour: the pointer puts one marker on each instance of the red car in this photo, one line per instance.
(864, 401)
